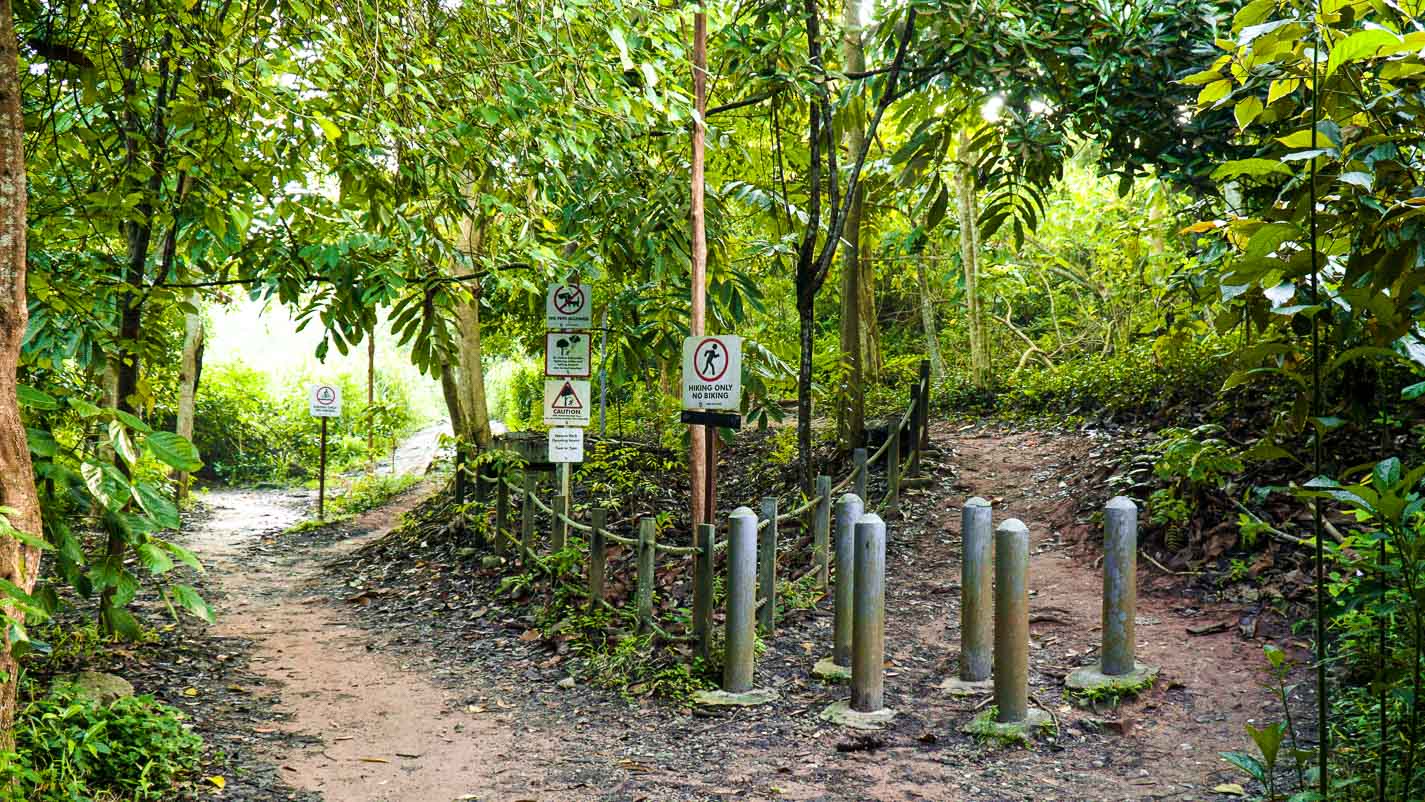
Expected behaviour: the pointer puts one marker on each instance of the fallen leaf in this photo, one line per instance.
(190, 691)
(1231, 789)
(373, 760)
(218, 781)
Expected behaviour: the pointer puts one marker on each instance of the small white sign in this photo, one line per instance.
(566, 353)
(566, 444)
(566, 402)
(325, 401)
(569, 306)
(712, 372)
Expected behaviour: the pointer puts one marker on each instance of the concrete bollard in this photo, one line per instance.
(1011, 660)
(767, 569)
(598, 519)
(821, 532)
(527, 517)
(976, 599)
(976, 590)
(1118, 670)
(849, 509)
(741, 599)
(647, 550)
(868, 628)
(559, 531)
(866, 709)
(863, 474)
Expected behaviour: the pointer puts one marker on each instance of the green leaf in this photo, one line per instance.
(1355, 178)
(1214, 92)
(174, 451)
(122, 623)
(1413, 392)
(1387, 473)
(42, 443)
(1247, 110)
(1359, 45)
(155, 559)
(617, 35)
(329, 128)
(83, 408)
(123, 446)
(132, 421)
(157, 504)
(184, 556)
(30, 398)
(1252, 766)
(189, 600)
(1250, 168)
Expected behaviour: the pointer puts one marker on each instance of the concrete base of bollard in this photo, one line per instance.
(756, 696)
(1011, 732)
(827, 669)
(959, 687)
(842, 714)
(1091, 681)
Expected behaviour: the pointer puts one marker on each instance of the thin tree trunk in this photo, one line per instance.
(18, 563)
(697, 435)
(450, 389)
(927, 321)
(371, 399)
(870, 324)
(475, 412)
(188, 380)
(805, 331)
(969, 257)
(851, 417)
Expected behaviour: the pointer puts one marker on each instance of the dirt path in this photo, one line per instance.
(413, 685)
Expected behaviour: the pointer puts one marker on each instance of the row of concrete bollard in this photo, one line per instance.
(994, 615)
(997, 616)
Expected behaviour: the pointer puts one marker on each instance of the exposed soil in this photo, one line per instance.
(414, 682)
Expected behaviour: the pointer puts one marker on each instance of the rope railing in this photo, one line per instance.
(646, 547)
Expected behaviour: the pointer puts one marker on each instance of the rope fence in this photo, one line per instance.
(816, 510)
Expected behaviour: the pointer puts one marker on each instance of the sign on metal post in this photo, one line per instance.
(569, 306)
(325, 401)
(566, 402)
(566, 354)
(566, 444)
(712, 372)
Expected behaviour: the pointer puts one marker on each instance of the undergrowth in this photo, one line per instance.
(69, 749)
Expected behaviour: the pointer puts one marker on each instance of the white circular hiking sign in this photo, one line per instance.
(325, 401)
(712, 372)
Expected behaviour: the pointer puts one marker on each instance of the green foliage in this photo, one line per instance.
(251, 431)
(1270, 739)
(70, 749)
(516, 394)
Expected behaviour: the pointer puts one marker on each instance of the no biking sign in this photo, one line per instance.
(712, 372)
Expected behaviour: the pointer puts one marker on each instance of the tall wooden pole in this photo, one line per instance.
(698, 458)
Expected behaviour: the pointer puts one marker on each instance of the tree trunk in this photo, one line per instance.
(870, 322)
(969, 258)
(450, 389)
(188, 371)
(806, 309)
(927, 321)
(18, 563)
(475, 412)
(371, 399)
(698, 444)
(851, 417)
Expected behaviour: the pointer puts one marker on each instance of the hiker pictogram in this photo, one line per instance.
(710, 360)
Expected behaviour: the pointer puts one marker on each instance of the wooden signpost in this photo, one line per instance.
(324, 402)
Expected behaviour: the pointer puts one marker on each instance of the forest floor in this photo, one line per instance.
(321, 683)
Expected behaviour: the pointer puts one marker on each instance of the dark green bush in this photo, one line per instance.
(73, 750)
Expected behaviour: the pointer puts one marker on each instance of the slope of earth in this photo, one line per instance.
(445, 620)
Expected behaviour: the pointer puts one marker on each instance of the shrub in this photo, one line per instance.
(73, 749)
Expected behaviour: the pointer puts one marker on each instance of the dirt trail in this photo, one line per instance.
(397, 699)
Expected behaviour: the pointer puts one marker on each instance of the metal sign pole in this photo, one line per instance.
(710, 472)
(322, 475)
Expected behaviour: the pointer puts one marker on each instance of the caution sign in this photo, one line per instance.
(569, 306)
(712, 372)
(566, 353)
(566, 444)
(566, 402)
(325, 401)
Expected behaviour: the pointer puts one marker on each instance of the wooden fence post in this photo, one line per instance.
(924, 405)
(863, 472)
(598, 518)
(821, 535)
(647, 544)
(527, 517)
(502, 514)
(703, 586)
(916, 416)
(559, 532)
(767, 568)
(893, 473)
